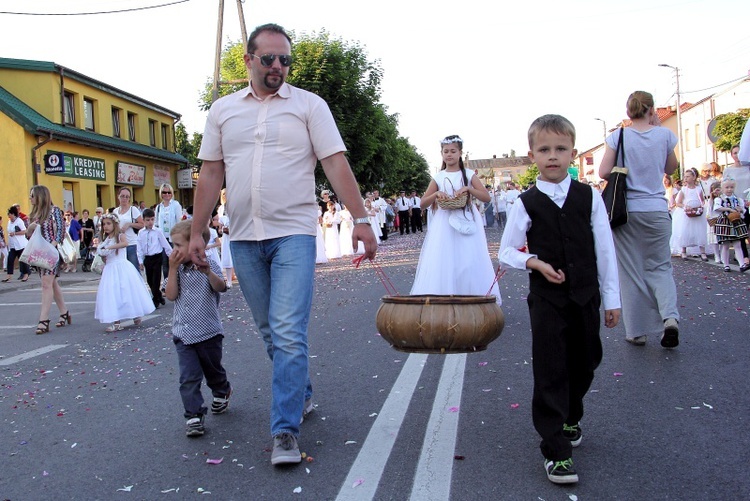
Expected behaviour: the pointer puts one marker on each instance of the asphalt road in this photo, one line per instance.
(92, 415)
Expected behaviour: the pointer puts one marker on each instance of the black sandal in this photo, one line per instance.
(44, 327)
(65, 317)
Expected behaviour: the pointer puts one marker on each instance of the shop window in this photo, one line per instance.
(131, 126)
(69, 109)
(152, 133)
(164, 136)
(116, 122)
(88, 113)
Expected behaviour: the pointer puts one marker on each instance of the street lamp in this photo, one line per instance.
(604, 127)
(679, 118)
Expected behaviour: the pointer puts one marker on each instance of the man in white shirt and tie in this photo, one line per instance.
(402, 206)
(416, 212)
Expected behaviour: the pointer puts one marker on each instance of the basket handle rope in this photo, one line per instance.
(389, 287)
(498, 275)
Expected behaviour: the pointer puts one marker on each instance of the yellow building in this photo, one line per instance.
(83, 139)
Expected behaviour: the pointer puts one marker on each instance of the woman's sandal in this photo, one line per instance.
(44, 327)
(7, 280)
(114, 327)
(65, 317)
(137, 321)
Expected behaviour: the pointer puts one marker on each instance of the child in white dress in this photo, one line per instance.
(331, 220)
(692, 231)
(320, 245)
(122, 292)
(454, 257)
(345, 232)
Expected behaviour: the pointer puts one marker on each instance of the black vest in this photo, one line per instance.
(562, 237)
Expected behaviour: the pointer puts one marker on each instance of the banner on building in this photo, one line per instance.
(69, 165)
(130, 173)
(161, 175)
(185, 179)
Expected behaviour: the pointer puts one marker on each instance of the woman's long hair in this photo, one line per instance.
(42, 203)
(455, 139)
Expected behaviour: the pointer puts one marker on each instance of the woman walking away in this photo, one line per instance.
(49, 219)
(649, 294)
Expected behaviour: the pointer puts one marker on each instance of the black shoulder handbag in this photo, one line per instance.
(614, 195)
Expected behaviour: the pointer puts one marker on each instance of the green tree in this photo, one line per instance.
(341, 73)
(186, 146)
(729, 128)
(529, 176)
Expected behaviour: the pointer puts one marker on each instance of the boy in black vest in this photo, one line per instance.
(571, 257)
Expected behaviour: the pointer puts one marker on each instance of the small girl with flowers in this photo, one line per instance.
(730, 227)
(121, 292)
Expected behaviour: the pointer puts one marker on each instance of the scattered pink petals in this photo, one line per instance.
(617, 374)
(214, 461)
(514, 406)
(453, 409)
(482, 364)
(358, 482)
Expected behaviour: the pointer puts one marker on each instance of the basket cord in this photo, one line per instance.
(389, 287)
(498, 275)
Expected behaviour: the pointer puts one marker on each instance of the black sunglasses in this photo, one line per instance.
(268, 59)
(166, 192)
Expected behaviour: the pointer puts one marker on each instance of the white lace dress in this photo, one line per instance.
(122, 293)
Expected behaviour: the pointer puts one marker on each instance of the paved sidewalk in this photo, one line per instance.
(34, 281)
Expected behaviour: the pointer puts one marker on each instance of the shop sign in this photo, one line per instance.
(161, 175)
(68, 165)
(130, 173)
(185, 179)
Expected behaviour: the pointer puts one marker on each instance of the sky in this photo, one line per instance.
(482, 70)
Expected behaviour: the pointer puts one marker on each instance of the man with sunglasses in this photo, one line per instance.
(263, 139)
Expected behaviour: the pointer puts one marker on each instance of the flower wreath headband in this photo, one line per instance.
(113, 217)
(451, 140)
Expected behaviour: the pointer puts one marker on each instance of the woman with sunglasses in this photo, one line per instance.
(131, 223)
(168, 214)
(49, 218)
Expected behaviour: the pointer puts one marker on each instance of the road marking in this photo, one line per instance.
(32, 354)
(432, 480)
(37, 303)
(364, 475)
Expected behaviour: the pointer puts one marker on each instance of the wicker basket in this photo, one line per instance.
(453, 203)
(734, 216)
(439, 324)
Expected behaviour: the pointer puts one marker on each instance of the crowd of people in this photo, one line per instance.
(271, 238)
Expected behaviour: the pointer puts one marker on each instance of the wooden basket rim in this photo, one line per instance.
(439, 299)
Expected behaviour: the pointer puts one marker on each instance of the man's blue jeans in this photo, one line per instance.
(277, 280)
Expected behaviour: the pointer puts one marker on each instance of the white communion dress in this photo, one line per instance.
(122, 293)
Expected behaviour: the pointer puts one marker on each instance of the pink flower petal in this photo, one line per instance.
(514, 406)
(214, 461)
(453, 409)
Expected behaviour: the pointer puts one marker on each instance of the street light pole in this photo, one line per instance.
(679, 118)
(604, 127)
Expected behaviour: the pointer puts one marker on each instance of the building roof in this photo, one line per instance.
(50, 67)
(35, 123)
(499, 163)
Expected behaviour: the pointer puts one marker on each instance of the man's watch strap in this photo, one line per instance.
(362, 220)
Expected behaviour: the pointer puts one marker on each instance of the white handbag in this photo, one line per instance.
(67, 249)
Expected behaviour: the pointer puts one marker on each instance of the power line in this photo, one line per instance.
(93, 13)
(715, 86)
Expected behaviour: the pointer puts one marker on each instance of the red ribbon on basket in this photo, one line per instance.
(389, 287)
(498, 276)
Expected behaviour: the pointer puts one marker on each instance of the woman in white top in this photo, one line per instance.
(168, 214)
(16, 244)
(130, 223)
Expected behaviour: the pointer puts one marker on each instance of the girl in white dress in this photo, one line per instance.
(214, 242)
(345, 232)
(226, 253)
(692, 232)
(320, 245)
(331, 219)
(372, 214)
(121, 293)
(455, 258)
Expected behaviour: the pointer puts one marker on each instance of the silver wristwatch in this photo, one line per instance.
(362, 220)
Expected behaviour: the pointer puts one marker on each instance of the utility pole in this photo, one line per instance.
(219, 28)
(679, 119)
(217, 60)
